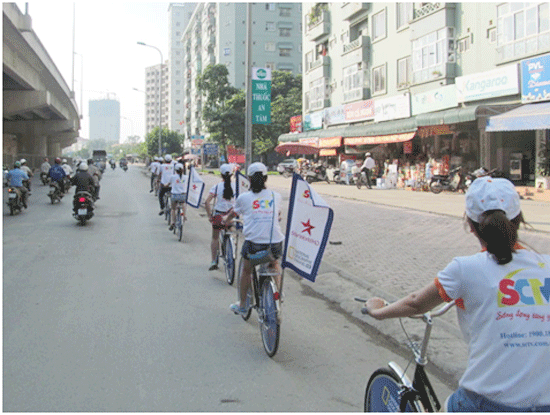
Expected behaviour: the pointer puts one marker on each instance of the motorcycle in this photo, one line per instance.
(67, 183)
(113, 166)
(317, 174)
(44, 178)
(124, 167)
(55, 194)
(481, 172)
(15, 200)
(360, 178)
(83, 207)
(454, 181)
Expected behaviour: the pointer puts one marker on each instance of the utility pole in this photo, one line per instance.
(248, 123)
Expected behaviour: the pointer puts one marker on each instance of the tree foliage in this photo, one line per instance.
(171, 142)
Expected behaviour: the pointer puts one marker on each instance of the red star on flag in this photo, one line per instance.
(194, 187)
(307, 227)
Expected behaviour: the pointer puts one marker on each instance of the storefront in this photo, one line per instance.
(329, 150)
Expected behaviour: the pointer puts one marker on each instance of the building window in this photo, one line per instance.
(404, 73)
(284, 12)
(430, 54)
(317, 94)
(463, 44)
(270, 47)
(379, 25)
(353, 82)
(404, 14)
(284, 32)
(309, 60)
(284, 52)
(492, 34)
(270, 6)
(379, 79)
(522, 29)
(270, 26)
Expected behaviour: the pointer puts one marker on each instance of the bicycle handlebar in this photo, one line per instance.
(442, 310)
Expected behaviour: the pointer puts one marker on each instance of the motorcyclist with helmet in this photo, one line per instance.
(83, 180)
(27, 170)
(57, 174)
(15, 179)
(95, 172)
(65, 166)
(367, 167)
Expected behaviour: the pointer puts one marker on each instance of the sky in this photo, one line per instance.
(108, 56)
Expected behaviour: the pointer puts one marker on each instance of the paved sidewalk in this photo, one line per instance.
(391, 242)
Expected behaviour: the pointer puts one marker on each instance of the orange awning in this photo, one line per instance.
(379, 139)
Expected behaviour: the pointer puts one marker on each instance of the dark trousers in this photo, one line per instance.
(367, 173)
(153, 177)
(162, 191)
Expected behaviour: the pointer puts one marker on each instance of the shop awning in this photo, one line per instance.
(461, 114)
(295, 137)
(526, 117)
(330, 142)
(296, 148)
(404, 125)
(379, 139)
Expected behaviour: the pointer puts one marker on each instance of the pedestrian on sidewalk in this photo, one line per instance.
(502, 298)
(367, 167)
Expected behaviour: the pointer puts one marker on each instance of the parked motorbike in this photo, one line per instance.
(15, 200)
(317, 174)
(83, 207)
(286, 171)
(481, 172)
(55, 194)
(454, 181)
(44, 178)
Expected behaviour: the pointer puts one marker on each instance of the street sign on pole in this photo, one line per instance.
(261, 95)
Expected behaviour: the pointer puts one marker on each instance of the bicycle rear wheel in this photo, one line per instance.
(229, 260)
(269, 324)
(382, 394)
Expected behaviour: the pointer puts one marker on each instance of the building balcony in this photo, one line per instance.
(318, 26)
(524, 48)
(356, 51)
(435, 73)
(356, 95)
(350, 11)
(319, 104)
(319, 68)
(432, 8)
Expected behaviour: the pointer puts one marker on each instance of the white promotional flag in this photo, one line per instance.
(195, 187)
(243, 184)
(307, 230)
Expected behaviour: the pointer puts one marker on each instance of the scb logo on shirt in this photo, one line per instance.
(523, 291)
(262, 204)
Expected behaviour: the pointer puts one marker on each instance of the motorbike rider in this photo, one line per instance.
(65, 166)
(57, 174)
(112, 162)
(154, 166)
(96, 175)
(166, 171)
(46, 166)
(367, 167)
(83, 180)
(15, 179)
(27, 170)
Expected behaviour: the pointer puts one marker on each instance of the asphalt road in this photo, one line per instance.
(118, 315)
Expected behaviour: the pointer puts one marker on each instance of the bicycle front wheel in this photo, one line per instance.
(382, 394)
(269, 324)
(229, 260)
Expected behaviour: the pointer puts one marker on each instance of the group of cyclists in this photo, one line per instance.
(497, 377)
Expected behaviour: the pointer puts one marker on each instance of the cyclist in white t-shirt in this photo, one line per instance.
(178, 185)
(503, 299)
(166, 171)
(260, 210)
(223, 193)
(154, 167)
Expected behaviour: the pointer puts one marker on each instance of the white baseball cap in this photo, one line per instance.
(179, 166)
(488, 193)
(225, 169)
(257, 167)
(168, 157)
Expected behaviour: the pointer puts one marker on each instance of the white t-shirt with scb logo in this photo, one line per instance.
(260, 211)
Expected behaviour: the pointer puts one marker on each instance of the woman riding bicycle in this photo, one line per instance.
(224, 193)
(503, 296)
(260, 210)
(178, 184)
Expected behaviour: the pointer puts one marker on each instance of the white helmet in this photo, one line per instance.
(64, 160)
(367, 155)
(168, 157)
(83, 166)
(23, 161)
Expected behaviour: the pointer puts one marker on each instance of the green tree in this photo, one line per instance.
(220, 111)
(170, 143)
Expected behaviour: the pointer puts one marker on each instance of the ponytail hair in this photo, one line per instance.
(257, 182)
(227, 189)
(499, 234)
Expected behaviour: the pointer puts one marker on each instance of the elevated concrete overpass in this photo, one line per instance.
(40, 115)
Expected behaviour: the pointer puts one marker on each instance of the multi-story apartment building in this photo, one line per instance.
(428, 80)
(152, 97)
(104, 120)
(179, 15)
(216, 34)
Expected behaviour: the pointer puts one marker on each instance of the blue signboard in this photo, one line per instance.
(210, 149)
(535, 79)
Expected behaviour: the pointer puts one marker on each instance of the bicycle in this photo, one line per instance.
(264, 297)
(228, 243)
(180, 220)
(361, 179)
(156, 186)
(391, 390)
